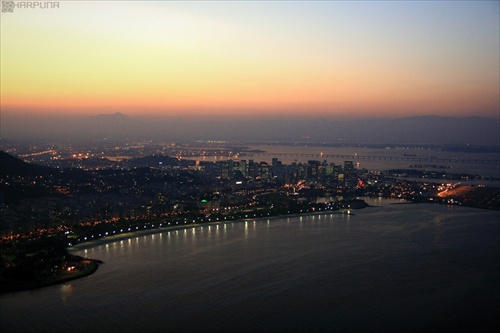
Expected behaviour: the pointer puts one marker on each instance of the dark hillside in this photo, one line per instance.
(13, 166)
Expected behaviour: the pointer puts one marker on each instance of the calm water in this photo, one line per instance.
(392, 268)
(485, 170)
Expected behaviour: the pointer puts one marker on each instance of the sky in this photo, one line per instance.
(341, 59)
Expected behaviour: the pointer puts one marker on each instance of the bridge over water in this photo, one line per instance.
(378, 157)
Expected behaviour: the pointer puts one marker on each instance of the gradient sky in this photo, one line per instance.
(336, 59)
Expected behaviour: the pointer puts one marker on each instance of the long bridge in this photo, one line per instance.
(378, 157)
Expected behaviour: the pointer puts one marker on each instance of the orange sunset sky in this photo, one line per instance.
(329, 59)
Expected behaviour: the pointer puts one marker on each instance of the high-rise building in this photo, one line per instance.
(252, 169)
(225, 169)
(312, 169)
(329, 169)
(243, 167)
(349, 175)
(265, 171)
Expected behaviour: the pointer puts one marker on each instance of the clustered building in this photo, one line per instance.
(280, 173)
(158, 186)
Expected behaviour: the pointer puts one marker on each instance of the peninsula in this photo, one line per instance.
(39, 263)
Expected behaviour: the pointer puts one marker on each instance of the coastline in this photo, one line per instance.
(90, 267)
(127, 235)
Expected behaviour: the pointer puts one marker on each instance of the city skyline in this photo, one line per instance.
(245, 59)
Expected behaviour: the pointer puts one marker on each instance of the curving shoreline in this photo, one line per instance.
(127, 235)
(90, 266)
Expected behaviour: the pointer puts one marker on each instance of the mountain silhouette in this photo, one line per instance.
(112, 126)
(409, 130)
(117, 126)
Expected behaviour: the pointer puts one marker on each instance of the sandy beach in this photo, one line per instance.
(126, 235)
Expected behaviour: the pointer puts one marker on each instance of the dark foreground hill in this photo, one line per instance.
(13, 166)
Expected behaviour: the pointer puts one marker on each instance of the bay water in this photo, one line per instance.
(393, 267)
(484, 164)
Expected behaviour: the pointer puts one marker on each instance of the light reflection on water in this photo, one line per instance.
(392, 267)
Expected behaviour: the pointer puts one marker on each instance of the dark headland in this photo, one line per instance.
(40, 263)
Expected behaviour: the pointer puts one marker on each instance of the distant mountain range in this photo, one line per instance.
(410, 130)
(116, 125)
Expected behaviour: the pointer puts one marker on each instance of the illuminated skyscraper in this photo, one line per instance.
(349, 179)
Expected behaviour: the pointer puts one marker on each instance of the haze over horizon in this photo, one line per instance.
(118, 126)
(245, 60)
